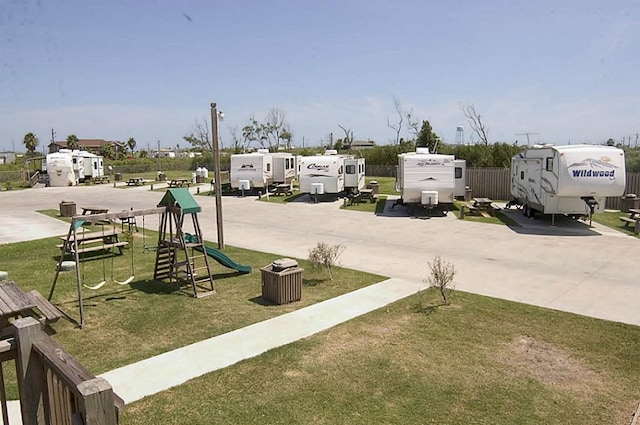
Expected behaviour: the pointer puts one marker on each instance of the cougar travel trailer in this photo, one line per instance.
(60, 169)
(572, 180)
(322, 174)
(429, 180)
(285, 168)
(251, 171)
(354, 177)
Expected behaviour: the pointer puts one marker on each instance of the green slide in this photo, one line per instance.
(224, 260)
(218, 256)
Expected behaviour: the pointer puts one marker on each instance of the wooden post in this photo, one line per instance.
(30, 372)
(98, 403)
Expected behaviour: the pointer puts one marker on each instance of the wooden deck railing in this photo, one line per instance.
(54, 388)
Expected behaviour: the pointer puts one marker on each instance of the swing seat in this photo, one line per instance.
(96, 286)
(126, 281)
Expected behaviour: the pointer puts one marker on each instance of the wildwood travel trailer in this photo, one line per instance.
(573, 180)
(429, 180)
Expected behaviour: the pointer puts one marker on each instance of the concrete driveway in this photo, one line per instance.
(569, 267)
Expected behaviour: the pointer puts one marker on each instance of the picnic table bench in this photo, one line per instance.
(15, 303)
(94, 210)
(101, 179)
(634, 218)
(179, 183)
(135, 181)
(94, 241)
(282, 189)
(482, 206)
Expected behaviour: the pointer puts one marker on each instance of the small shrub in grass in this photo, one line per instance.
(325, 255)
(442, 273)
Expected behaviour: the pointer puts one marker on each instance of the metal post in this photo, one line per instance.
(216, 173)
(159, 163)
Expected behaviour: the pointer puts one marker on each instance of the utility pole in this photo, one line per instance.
(216, 173)
(159, 162)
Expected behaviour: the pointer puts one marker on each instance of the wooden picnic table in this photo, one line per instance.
(101, 179)
(94, 210)
(634, 218)
(94, 241)
(135, 181)
(179, 183)
(14, 303)
(282, 189)
(481, 206)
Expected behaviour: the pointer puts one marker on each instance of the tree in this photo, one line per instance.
(442, 273)
(274, 127)
(325, 255)
(108, 151)
(348, 137)
(31, 142)
(397, 127)
(427, 138)
(73, 142)
(475, 121)
(131, 143)
(199, 136)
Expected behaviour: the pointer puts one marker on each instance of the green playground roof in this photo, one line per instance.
(182, 198)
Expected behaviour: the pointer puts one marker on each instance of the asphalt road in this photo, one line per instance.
(569, 266)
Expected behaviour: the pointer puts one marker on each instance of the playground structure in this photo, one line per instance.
(181, 257)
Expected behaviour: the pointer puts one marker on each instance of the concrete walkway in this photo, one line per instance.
(178, 366)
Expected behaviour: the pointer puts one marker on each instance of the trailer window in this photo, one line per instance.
(458, 172)
(268, 166)
(351, 169)
(550, 164)
(521, 175)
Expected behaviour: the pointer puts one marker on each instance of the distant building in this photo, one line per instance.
(7, 157)
(165, 153)
(362, 144)
(89, 145)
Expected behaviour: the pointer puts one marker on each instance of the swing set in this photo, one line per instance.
(177, 259)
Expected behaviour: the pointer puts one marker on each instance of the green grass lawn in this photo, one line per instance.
(480, 360)
(124, 324)
(612, 219)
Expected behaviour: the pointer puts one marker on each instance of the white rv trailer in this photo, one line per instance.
(285, 168)
(251, 171)
(429, 180)
(331, 174)
(93, 165)
(572, 180)
(354, 178)
(59, 167)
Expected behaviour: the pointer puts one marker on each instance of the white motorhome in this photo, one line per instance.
(429, 180)
(251, 170)
(60, 169)
(571, 180)
(285, 168)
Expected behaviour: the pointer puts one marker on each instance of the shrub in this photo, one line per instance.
(442, 273)
(325, 255)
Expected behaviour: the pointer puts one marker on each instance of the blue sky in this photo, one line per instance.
(567, 70)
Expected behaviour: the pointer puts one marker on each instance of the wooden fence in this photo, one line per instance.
(55, 389)
(494, 183)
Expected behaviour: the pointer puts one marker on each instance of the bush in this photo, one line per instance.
(325, 255)
(442, 273)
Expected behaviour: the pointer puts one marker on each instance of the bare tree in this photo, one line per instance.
(274, 126)
(397, 127)
(475, 121)
(413, 124)
(442, 273)
(238, 142)
(199, 135)
(348, 137)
